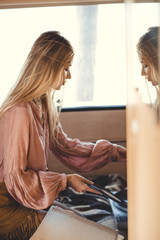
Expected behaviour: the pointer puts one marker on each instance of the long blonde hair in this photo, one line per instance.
(149, 47)
(40, 75)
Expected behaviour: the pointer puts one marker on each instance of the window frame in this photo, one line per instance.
(93, 108)
(5, 4)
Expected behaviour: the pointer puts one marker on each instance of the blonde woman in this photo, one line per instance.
(29, 128)
(148, 48)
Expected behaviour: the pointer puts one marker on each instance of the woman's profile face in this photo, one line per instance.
(146, 69)
(65, 74)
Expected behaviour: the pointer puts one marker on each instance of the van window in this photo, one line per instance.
(98, 35)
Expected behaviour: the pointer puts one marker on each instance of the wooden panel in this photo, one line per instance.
(40, 3)
(93, 125)
(143, 166)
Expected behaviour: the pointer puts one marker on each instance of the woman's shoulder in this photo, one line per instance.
(20, 110)
(20, 107)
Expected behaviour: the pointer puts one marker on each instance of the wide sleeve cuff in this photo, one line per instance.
(36, 190)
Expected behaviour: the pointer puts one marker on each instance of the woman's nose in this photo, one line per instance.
(143, 72)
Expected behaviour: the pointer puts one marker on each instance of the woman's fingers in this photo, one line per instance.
(85, 180)
(87, 188)
(93, 190)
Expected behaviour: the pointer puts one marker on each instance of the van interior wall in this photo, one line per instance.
(91, 126)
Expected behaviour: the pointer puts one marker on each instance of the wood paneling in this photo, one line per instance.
(93, 125)
(40, 3)
(4, 4)
(143, 167)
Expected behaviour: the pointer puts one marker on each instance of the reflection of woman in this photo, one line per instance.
(148, 52)
(29, 128)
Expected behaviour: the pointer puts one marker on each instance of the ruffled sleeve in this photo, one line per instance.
(33, 187)
(84, 156)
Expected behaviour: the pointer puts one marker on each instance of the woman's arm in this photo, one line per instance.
(83, 156)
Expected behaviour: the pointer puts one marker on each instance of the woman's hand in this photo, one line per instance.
(79, 183)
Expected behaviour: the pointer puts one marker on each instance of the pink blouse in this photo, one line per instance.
(24, 147)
